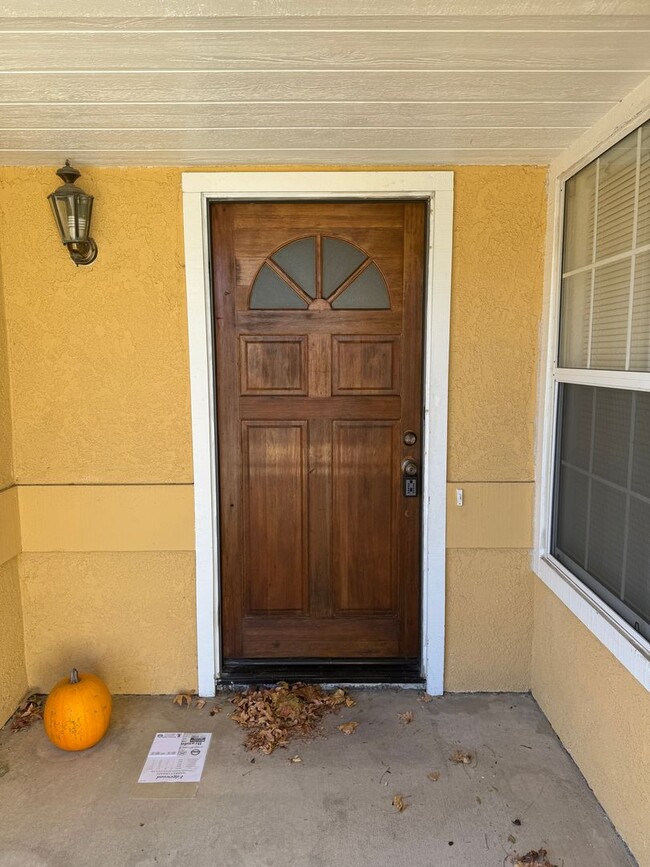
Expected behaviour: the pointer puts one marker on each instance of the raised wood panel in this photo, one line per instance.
(360, 86)
(322, 50)
(364, 474)
(273, 365)
(365, 364)
(360, 636)
(275, 517)
(339, 407)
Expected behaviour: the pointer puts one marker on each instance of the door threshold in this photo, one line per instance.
(397, 672)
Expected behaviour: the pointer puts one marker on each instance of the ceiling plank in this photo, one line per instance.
(324, 51)
(289, 139)
(575, 116)
(373, 86)
(323, 23)
(363, 157)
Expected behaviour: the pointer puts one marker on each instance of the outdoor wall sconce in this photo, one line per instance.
(72, 209)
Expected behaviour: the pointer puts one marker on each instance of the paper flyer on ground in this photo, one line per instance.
(176, 757)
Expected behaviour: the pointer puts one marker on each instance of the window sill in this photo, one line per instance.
(627, 646)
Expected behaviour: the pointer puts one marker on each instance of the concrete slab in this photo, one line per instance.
(62, 809)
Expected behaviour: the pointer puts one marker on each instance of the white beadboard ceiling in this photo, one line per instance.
(353, 82)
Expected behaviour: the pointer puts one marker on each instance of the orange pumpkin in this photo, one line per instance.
(77, 711)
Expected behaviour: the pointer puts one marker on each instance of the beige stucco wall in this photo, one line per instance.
(99, 367)
(600, 713)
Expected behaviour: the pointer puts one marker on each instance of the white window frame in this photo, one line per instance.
(436, 188)
(627, 645)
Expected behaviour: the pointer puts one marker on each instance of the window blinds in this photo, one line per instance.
(605, 304)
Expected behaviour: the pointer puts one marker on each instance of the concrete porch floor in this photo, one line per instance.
(334, 808)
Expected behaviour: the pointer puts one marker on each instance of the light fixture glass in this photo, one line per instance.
(72, 209)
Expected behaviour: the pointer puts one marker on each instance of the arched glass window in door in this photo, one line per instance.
(319, 272)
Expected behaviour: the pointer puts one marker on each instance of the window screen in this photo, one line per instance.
(601, 500)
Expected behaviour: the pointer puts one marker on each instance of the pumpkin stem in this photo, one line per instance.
(74, 676)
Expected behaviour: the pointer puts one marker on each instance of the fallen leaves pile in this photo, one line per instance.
(534, 858)
(276, 715)
(28, 712)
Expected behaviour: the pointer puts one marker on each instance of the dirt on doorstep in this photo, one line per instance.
(276, 715)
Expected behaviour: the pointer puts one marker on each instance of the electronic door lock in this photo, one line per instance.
(410, 477)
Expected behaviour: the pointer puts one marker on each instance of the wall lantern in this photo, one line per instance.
(72, 209)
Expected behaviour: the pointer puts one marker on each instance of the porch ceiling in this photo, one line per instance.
(299, 81)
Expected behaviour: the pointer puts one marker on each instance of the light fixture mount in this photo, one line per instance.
(72, 209)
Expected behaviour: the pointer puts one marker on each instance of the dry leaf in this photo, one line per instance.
(399, 803)
(434, 776)
(461, 757)
(215, 709)
(512, 838)
(425, 698)
(275, 715)
(406, 717)
(295, 760)
(348, 728)
(183, 698)
(27, 713)
(200, 703)
(534, 858)
(349, 702)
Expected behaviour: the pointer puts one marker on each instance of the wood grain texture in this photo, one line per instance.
(304, 50)
(156, 90)
(312, 511)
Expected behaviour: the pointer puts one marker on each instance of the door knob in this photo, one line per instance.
(409, 467)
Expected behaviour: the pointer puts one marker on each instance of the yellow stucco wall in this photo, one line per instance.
(599, 711)
(13, 674)
(99, 373)
(6, 443)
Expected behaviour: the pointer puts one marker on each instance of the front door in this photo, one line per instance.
(318, 328)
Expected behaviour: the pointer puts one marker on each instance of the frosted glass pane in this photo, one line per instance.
(640, 341)
(270, 292)
(574, 320)
(340, 259)
(616, 184)
(298, 260)
(579, 206)
(641, 454)
(637, 572)
(367, 292)
(613, 413)
(643, 227)
(606, 535)
(610, 316)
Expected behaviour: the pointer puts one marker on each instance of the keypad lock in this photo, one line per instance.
(410, 477)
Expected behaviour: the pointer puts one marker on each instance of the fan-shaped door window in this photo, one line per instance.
(319, 273)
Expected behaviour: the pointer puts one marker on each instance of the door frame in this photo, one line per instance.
(199, 190)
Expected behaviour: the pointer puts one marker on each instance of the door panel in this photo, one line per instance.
(363, 548)
(318, 325)
(275, 516)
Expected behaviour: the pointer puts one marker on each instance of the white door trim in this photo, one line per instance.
(199, 188)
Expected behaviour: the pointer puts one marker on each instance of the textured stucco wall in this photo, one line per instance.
(99, 369)
(600, 713)
(6, 444)
(99, 354)
(497, 279)
(13, 674)
(127, 616)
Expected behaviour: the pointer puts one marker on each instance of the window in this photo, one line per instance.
(601, 496)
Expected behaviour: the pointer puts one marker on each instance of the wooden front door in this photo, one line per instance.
(318, 324)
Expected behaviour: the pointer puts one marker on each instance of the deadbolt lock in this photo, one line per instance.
(410, 438)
